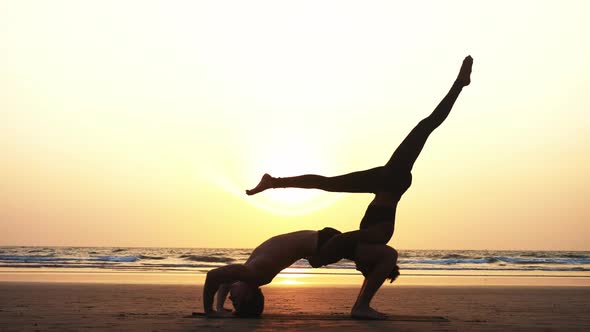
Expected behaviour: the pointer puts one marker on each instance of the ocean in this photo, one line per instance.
(200, 260)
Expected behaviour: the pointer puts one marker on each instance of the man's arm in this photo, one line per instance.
(221, 296)
(224, 275)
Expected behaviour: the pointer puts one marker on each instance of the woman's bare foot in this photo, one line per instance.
(464, 77)
(265, 183)
(367, 313)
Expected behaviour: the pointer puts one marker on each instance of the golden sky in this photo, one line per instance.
(140, 123)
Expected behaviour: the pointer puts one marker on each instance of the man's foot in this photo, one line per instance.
(367, 313)
(464, 77)
(265, 183)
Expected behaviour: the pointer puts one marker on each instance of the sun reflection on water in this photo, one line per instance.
(290, 282)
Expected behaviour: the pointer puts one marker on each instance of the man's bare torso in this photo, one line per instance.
(279, 252)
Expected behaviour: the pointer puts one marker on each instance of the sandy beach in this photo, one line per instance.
(54, 306)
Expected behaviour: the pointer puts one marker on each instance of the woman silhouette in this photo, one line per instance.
(388, 182)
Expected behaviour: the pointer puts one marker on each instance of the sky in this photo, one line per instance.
(141, 123)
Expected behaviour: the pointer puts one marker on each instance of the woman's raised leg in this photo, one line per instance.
(371, 180)
(408, 151)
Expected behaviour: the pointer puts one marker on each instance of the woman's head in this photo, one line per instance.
(393, 274)
(387, 255)
(247, 299)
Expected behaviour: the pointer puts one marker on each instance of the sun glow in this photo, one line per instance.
(280, 201)
(285, 155)
(293, 155)
(290, 276)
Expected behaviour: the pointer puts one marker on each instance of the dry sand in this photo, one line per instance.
(135, 307)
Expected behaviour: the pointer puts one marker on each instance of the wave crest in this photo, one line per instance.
(210, 259)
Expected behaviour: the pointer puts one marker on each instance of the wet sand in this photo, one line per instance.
(167, 307)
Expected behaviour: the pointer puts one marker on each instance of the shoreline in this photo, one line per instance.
(291, 279)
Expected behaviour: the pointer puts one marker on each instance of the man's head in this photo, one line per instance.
(247, 299)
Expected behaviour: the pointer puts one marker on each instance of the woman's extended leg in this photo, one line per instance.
(408, 151)
(355, 182)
